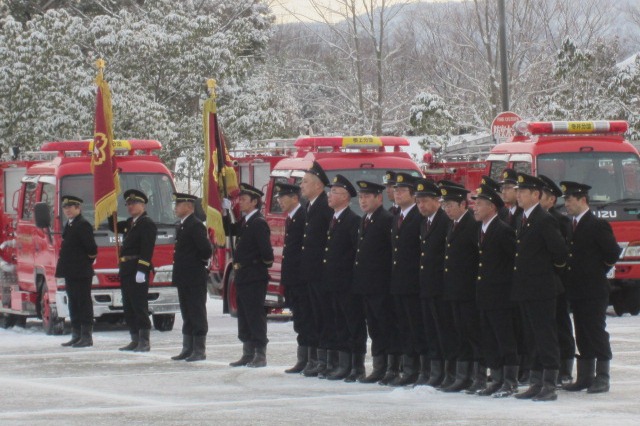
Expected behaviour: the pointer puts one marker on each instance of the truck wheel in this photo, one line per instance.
(163, 322)
(50, 321)
(619, 307)
(230, 295)
(633, 300)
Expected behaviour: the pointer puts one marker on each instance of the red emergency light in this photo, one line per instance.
(570, 127)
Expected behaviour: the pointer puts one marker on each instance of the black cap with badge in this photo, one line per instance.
(71, 200)
(509, 176)
(450, 183)
(317, 170)
(454, 193)
(135, 196)
(252, 191)
(365, 187)
(342, 182)
(282, 189)
(390, 177)
(574, 188)
(526, 181)
(426, 188)
(489, 181)
(489, 193)
(406, 180)
(550, 186)
(184, 198)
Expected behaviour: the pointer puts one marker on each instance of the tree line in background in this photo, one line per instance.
(401, 67)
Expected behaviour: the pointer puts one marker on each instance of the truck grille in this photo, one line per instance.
(112, 278)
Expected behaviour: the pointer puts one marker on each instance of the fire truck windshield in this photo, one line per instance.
(158, 188)
(613, 176)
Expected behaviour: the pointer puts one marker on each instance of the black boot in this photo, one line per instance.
(463, 377)
(248, 353)
(479, 378)
(601, 382)
(586, 369)
(409, 373)
(135, 337)
(259, 359)
(144, 345)
(330, 362)
(510, 382)
(436, 374)
(379, 368)
(344, 367)
(187, 348)
(313, 363)
(423, 374)
(393, 367)
(86, 336)
(535, 386)
(497, 378)
(548, 392)
(75, 336)
(566, 368)
(303, 357)
(199, 349)
(358, 371)
(449, 374)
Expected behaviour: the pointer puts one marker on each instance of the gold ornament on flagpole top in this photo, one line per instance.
(211, 85)
(100, 64)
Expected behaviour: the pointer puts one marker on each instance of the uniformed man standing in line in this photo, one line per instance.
(314, 242)
(496, 244)
(139, 241)
(252, 259)
(593, 251)
(296, 291)
(77, 253)
(513, 212)
(405, 282)
(566, 341)
(437, 315)
(337, 277)
(460, 273)
(190, 257)
(390, 181)
(540, 251)
(372, 275)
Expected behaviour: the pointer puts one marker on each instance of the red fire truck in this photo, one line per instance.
(595, 153)
(32, 222)
(357, 158)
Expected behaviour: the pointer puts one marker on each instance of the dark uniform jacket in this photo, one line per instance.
(593, 250)
(139, 241)
(405, 241)
(340, 253)
(78, 250)
(495, 266)
(514, 220)
(292, 249)
(432, 245)
(461, 259)
(564, 223)
(540, 250)
(315, 239)
(254, 254)
(372, 267)
(191, 253)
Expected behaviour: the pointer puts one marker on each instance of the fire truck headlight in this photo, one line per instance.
(94, 280)
(60, 282)
(163, 274)
(632, 251)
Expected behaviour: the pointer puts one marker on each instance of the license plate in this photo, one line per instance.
(612, 273)
(117, 299)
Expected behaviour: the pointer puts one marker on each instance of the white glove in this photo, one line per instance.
(226, 203)
(140, 277)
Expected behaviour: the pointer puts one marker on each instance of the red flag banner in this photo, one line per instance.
(106, 183)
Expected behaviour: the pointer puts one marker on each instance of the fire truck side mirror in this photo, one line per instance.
(43, 215)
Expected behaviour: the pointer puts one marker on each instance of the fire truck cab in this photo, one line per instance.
(597, 154)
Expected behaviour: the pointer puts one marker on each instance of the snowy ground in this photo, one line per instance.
(42, 383)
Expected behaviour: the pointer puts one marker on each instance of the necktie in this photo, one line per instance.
(287, 223)
(523, 222)
(482, 236)
(575, 224)
(333, 222)
(400, 219)
(367, 221)
(428, 226)
(455, 225)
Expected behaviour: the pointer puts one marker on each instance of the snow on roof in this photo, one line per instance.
(629, 63)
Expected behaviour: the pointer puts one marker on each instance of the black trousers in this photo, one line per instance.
(566, 341)
(498, 338)
(135, 301)
(252, 316)
(299, 301)
(323, 315)
(467, 322)
(430, 327)
(540, 331)
(350, 323)
(193, 307)
(589, 318)
(447, 340)
(80, 303)
(410, 327)
(382, 324)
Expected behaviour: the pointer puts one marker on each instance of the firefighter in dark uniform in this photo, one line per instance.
(296, 291)
(503, 212)
(405, 283)
(566, 341)
(190, 257)
(372, 275)
(593, 251)
(437, 315)
(460, 273)
(337, 277)
(540, 252)
(496, 249)
(389, 182)
(314, 242)
(139, 240)
(252, 259)
(77, 253)
(512, 214)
